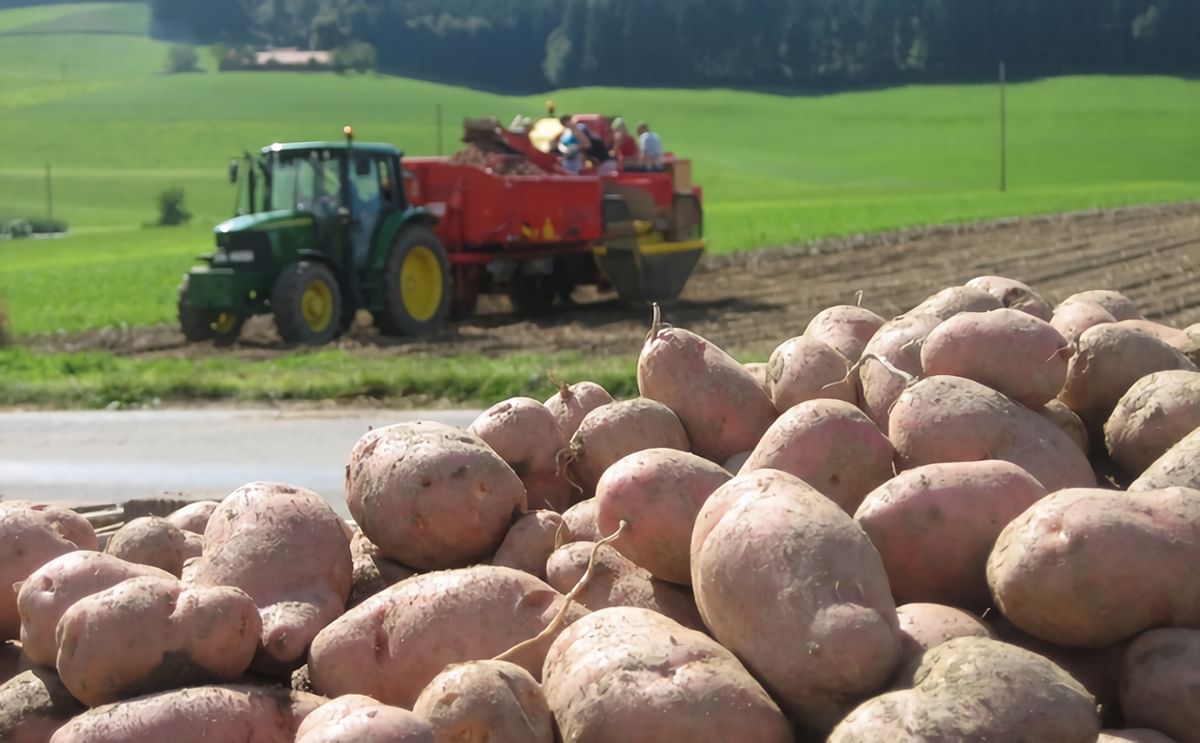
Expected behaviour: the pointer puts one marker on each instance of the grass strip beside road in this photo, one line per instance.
(101, 379)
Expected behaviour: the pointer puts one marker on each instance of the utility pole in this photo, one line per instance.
(1003, 135)
(438, 119)
(49, 196)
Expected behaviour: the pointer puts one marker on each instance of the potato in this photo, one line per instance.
(952, 300)
(1151, 417)
(934, 527)
(394, 643)
(925, 626)
(71, 525)
(1008, 350)
(149, 634)
(831, 445)
(614, 431)
(846, 328)
(150, 540)
(1109, 359)
(33, 705)
(361, 719)
(486, 700)
(1159, 681)
(1088, 567)
(528, 438)
(194, 516)
(1133, 735)
(658, 493)
(254, 714)
(371, 571)
(57, 585)
(1179, 466)
(1066, 421)
(1115, 303)
(786, 580)
(616, 581)
(805, 368)
(579, 523)
(1173, 337)
(1014, 294)
(626, 675)
(977, 689)
(1071, 319)
(722, 407)
(28, 540)
(285, 547)
(529, 543)
(899, 343)
(431, 496)
(572, 402)
(952, 419)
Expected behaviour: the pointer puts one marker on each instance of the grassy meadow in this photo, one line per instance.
(82, 88)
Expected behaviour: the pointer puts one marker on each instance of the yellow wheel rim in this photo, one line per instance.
(225, 322)
(421, 283)
(316, 305)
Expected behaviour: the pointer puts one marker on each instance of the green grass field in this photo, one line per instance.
(82, 88)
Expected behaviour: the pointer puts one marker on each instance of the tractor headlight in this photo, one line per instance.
(241, 256)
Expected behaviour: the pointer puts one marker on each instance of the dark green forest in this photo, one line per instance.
(798, 44)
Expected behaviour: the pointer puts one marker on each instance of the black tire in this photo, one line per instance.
(418, 285)
(226, 328)
(201, 324)
(532, 294)
(307, 303)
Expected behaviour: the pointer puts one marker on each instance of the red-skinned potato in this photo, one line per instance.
(831, 445)
(1014, 294)
(361, 719)
(54, 587)
(372, 572)
(34, 704)
(952, 419)
(149, 634)
(721, 406)
(392, 645)
(924, 626)
(1008, 350)
(634, 676)
(1065, 420)
(1158, 682)
(1179, 466)
(614, 431)
(788, 581)
(898, 343)
(486, 700)
(150, 540)
(657, 493)
(194, 516)
(572, 402)
(804, 368)
(529, 439)
(28, 540)
(1088, 567)
(1151, 417)
(934, 527)
(286, 548)
(952, 300)
(202, 714)
(431, 496)
(1071, 319)
(580, 524)
(71, 525)
(1114, 303)
(846, 328)
(529, 542)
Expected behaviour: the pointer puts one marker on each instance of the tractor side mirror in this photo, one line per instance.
(233, 170)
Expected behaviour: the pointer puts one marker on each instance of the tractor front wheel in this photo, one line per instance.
(417, 299)
(307, 303)
(202, 324)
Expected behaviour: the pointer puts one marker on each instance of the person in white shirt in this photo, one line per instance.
(651, 148)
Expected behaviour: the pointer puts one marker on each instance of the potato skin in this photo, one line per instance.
(846, 328)
(372, 572)
(194, 516)
(34, 704)
(1114, 303)
(391, 646)
(28, 540)
(571, 403)
(975, 688)
(952, 419)
(147, 634)
(1158, 682)
(934, 527)
(1008, 350)
(899, 343)
(1066, 421)
(255, 714)
(626, 675)
(486, 700)
(1088, 567)
(57, 585)
(658, 493)
(831, 445)
(431, 496)
(804, 368)
(71, 525)
(580, 524)
(150, 540)
(613, 431)
(1014, 294)
(924, 626)
(1071, 319)
(361, 719)
(721, 406)
(1179, 466)
(1151, 417)
(788, 581)
(528, 438)
(529, 541)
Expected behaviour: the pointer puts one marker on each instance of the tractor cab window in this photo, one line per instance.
(305, 181)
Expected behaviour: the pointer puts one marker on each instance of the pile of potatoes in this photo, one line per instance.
(979, 520)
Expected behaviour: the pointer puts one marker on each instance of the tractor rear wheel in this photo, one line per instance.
(202, 324)
(307, 303)
(418, 285)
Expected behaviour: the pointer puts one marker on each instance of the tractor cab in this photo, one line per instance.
(306, 231)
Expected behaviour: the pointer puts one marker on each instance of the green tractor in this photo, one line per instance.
(322, 230)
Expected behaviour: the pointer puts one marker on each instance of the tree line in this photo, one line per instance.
(799, 44)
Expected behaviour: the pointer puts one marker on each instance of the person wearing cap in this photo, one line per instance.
(651, 148)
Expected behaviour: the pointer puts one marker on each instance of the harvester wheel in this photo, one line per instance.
(419, 289)
(202, 324)
(307, 303)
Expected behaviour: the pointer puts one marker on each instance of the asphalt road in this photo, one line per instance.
(113, 456)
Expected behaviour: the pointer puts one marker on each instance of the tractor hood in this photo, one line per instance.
(264, 222)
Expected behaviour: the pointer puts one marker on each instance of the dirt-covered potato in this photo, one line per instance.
(580, 524)
(1159, 680)
(613, 431)
(572, 402)
(846, 328)
(529, 542)
(150, 540)
(194, 516)
(529, 439)
(28, 540)
(372, 572)
(1014, 294)
(354, 718)
(486, 700)
(925, 626)
(34, 704)
(804, 368)
(1151, 417)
